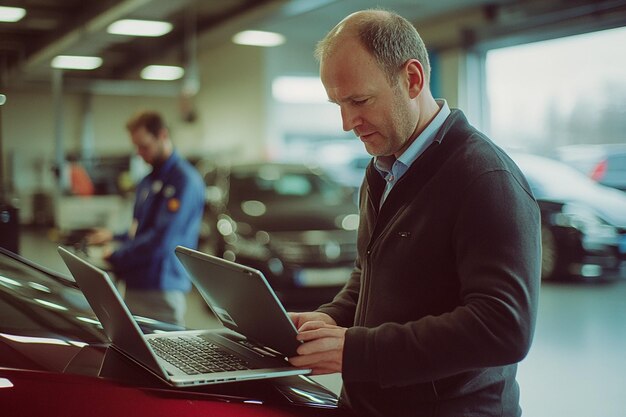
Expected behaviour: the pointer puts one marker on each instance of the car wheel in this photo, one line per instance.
(549, 254)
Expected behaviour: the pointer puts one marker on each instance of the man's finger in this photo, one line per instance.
(323, 344)
(323, 370)
(314, 359)
(318, 333)
(314, 324)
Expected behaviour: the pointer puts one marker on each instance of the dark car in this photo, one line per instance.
(55, 360)
(292, 222)
(605, 164)
(583, 224)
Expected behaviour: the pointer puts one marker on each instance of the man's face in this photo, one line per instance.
(382, 115)
(149, 147)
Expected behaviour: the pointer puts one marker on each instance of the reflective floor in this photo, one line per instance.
(576, 367)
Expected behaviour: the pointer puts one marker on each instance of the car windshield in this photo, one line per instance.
(276, 186)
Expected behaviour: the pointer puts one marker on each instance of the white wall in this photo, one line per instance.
(231, 102)
(28, 137)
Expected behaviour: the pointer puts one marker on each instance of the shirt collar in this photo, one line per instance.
(166, 166)
(384, 164)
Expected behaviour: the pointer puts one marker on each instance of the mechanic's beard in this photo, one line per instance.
(160, 158)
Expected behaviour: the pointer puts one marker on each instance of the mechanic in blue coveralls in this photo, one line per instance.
(168, 209)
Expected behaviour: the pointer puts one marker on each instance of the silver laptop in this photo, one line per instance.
(253, 344)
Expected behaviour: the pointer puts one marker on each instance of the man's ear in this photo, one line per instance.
(415, 76)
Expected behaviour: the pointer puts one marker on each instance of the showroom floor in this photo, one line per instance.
(576, 367)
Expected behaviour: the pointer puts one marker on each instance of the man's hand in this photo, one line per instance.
(322, 349)
(299, 319)
(99, 236)
(106, 254)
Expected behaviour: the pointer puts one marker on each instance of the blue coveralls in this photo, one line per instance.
(168, 212)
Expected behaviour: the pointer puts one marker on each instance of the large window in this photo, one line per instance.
(567, 91)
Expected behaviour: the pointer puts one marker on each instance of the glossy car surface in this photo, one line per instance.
(295, 224)
(583, 223)
(55, 360)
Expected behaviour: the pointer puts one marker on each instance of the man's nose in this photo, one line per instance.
(350, 119)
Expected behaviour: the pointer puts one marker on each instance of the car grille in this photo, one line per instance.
(315, 246)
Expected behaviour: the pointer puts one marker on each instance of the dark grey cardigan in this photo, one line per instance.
(443, 298)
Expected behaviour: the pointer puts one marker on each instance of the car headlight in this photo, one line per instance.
(348, 222)
(226, 226)
(254, 246)
(250, 248)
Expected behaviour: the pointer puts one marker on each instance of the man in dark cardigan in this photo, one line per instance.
(442, 301)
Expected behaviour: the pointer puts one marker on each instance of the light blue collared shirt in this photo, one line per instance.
(393, 169)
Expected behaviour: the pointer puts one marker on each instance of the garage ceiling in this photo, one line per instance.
(78, 27)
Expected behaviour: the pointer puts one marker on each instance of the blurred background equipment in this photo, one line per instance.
(9, 219)
(9, 226)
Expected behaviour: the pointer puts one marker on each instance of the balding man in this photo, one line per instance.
(442, 301)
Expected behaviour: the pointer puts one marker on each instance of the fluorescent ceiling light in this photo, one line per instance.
(11, 14)
(76, 62)
(135, 27)
(162, 72)
(299, 89)
(258, 38)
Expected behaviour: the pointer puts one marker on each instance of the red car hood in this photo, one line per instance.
(37, 393)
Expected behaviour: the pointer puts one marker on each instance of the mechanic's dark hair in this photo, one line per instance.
(151, 120)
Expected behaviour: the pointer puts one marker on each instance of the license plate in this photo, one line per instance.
(322, 277)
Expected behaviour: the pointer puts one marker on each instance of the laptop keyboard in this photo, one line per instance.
(195, 355)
